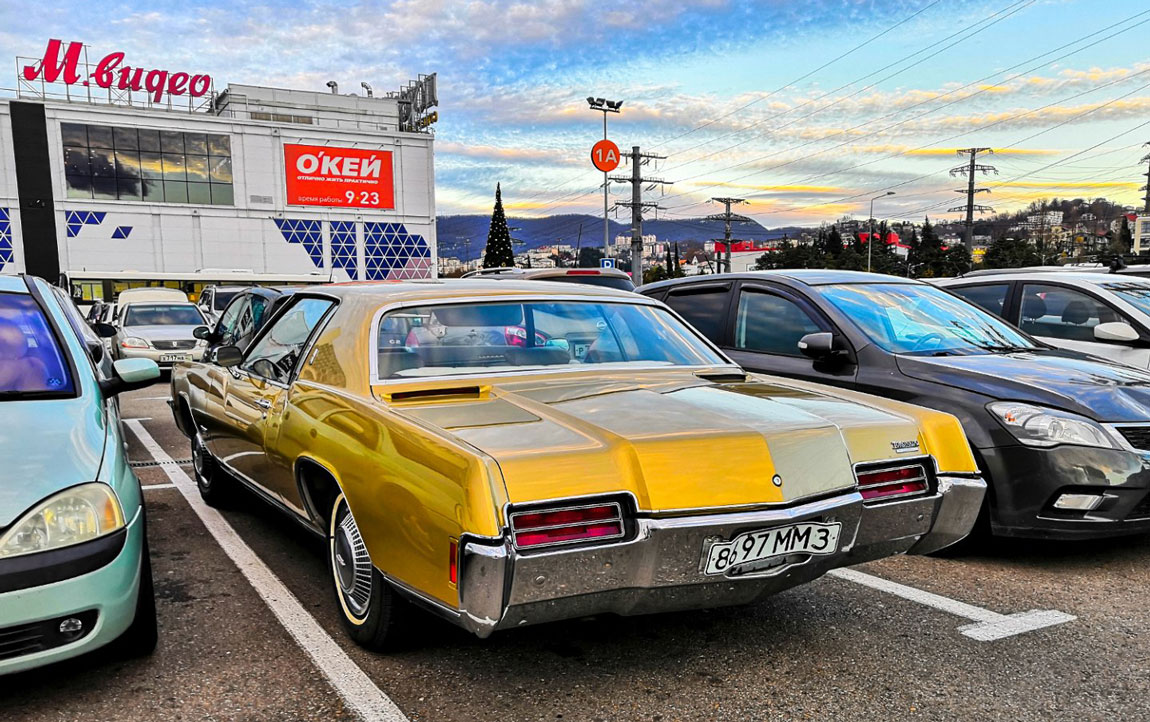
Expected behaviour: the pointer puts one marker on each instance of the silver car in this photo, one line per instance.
(161, 332)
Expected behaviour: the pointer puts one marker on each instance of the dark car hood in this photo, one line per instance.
(1061, 379)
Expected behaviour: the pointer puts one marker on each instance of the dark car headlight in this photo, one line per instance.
(75, 515)
(1039, 426)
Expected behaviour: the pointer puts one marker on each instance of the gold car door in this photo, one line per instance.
(248, 401)
(256, 396)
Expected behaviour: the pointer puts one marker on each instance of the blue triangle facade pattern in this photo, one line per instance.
(388, 248)
(343, 247)
(75, 220)
(5, 239)
(306, 233)
(122, 232)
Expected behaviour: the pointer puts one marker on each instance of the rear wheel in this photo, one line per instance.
(215, 486)
(370, 609)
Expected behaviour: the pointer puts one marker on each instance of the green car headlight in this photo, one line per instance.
(76, 515)
(1039, 426)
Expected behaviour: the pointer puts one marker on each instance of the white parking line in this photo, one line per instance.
(145, 487)
(988, 626)
(355, 687)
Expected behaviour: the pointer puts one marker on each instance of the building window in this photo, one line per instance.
(154, 166)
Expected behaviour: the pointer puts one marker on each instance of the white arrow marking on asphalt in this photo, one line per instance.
(988, 626)
(349, 681)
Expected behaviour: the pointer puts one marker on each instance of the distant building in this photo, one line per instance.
(1141, 229)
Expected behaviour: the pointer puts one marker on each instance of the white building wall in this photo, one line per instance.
(182, 238)
(11, 250)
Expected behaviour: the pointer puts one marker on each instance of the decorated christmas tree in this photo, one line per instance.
(498, 253)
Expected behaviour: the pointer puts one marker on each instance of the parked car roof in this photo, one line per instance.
(808, 276)
(455, 288)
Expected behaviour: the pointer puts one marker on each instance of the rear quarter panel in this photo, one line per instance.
(411, 491)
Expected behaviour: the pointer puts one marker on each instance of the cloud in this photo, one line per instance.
(777, 188)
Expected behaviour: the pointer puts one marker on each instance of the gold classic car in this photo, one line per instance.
(512, 453)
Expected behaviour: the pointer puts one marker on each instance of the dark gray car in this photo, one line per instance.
(1062, 438)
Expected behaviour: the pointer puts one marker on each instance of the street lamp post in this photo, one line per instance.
(605, 106)
(870, 236)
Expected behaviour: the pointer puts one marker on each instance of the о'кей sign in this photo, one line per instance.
(324, 175)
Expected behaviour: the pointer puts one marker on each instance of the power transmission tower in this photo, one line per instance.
(1146, 159)
(728, 218)
(637, 205)
(969, 171)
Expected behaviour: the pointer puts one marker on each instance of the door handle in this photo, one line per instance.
(263, 403)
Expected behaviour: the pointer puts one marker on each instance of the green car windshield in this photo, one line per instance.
(905, 318)
(32, 364)
(500, 337)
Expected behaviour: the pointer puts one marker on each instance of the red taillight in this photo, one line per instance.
(584, 273)
(558, 526)
(453, 562)
(890, 483)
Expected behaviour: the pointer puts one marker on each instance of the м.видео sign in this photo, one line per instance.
(324, 175)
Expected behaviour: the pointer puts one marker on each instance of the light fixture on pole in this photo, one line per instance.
(605, 106)
(870, 236)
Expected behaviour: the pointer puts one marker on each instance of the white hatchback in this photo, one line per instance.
(1102, 314)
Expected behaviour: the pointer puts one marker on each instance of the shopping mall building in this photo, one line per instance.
(116, 174)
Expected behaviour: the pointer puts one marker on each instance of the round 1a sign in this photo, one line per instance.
(605, 155)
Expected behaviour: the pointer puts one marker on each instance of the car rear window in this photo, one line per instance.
(162, 314)
(499, 337)
(32, 363)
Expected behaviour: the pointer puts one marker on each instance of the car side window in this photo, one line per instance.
(228, 321)
(771, 324)
(987, 296)
(275, 355)
(1057, 312)
(704, 308)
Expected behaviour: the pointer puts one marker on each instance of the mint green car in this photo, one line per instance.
(74, 568)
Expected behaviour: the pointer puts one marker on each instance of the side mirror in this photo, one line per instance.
(202, 332)
(818, 346)
(1118, 331)
(228, 356)
(130, 373)
(104, 330)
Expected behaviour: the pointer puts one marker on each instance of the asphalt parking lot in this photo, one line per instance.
(842, 648)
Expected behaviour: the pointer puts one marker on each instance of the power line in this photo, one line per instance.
(929, 112)
(990, 20)
(801, 78)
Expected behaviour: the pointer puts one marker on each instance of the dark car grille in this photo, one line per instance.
(37, 636)
(1138, 436)
(174, 345)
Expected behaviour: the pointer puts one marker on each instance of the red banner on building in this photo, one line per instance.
(324, 175)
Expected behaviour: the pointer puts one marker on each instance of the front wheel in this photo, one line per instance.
(139, 640)
(369, 608)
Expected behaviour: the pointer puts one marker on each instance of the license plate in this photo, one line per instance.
(173, 357)
(757, 546)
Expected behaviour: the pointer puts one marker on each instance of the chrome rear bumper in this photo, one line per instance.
(659, 569)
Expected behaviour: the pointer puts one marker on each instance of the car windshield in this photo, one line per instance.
(1135, 293)
(31, 361)
(906, 318)
(162, 314)
(497, 337)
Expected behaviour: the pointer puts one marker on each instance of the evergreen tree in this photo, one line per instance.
(1126, 236)
(589, 257)
(834, 243)
(498, 253)
(1010, 253)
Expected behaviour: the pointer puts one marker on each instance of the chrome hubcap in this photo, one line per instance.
(352, 566)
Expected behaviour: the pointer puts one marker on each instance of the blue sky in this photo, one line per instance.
(725, 89)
